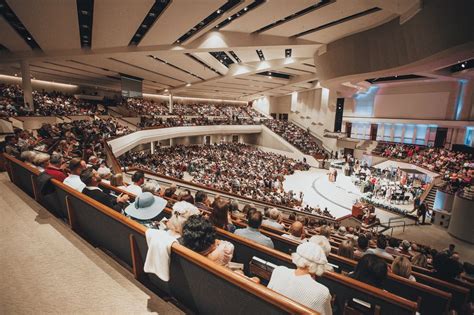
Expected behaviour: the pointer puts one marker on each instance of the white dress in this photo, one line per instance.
(302, 289)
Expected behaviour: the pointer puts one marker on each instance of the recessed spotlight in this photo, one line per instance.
(28, 38)
(245, 9)
(463, 65)
(166, 90)
(229, 18)
(219, 11)
(189, 84)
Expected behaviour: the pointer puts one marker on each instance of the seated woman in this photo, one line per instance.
(182, 210)
(420, 260)
(346, 249)
(220, 216)
(199, 235)
(401, 266)
(299, 284)
(146, 208)
(370, 269)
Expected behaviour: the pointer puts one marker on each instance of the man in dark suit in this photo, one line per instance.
(422, 209)
(91, 178)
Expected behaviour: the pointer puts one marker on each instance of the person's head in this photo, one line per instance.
(274, 214)
(346, 249)
(76, 166)
(116, 180)
(401, 266)
(90, 177)
(41, 160)
(381, 241)
(198, 234)
(325, 231)
(296, 229)
(393, 242)
(310, 257)
(200, 196)
(28, 156)
(151, 186)
(452, 247)
(446, 267)
(405, 245)
(323, 242)
(138, 178)
(372, 270)
(254, 218)
(219, 213)
(420, 260)
(182, 210)
(104, 172)
(56, 160)
(187, 197)
(341, 231)
(362, 242)
(93, 160)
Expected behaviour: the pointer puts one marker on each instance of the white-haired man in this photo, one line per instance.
(272, 220)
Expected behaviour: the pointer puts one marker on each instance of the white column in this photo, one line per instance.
(171, 142)
(170, 97)
(26, 84)
(152, 147)
(414, 135)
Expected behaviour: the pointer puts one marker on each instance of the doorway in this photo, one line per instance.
(348, 129)
(373, 131)
(440, 140)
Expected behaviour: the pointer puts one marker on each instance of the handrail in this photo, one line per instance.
(427, 191)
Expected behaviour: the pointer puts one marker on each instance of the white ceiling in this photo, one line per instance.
(54, 26)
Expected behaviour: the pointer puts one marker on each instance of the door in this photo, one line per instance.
(440, 139)
(373, 131)
(348, 129)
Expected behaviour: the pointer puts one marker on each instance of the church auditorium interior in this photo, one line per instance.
(237, 157)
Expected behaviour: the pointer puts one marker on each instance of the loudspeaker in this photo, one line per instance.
(339, 112)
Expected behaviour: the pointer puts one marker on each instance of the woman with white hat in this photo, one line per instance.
(146, 209)
(299, 284)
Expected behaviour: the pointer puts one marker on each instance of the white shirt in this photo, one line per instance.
(134, 189)
(294, 238)
(302, 289)
(74, 181)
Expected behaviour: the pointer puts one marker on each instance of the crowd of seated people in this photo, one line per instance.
(45, 104)
(164, 122)
(78, 138)
(456, 168)
(150, 107)
(194, 219)
(235, 168)
(295, 135)
(395, 150)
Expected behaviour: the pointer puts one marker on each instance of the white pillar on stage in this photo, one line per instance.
(26, 85)
(152, 147)
(170, 98)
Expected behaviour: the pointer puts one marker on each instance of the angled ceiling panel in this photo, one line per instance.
(335, 32)
(267, 13)
(211, 61)
(52, 23)
(324, 15)
(10, 38)
(178, 19)
(189, 64)
(115, 22)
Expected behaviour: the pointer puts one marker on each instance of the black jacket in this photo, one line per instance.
(103, 198)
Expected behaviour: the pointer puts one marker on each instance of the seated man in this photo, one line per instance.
(380, 250)
(272, 221)
(254, 218)
(138, 179)
(54, 167)
(91, 179)
(296, 232)
(76, 166)
(201, 201)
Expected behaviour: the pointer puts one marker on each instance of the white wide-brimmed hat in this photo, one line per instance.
(146, 206)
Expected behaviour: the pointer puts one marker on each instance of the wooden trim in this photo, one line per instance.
(447, 285)
(137, 262)
(257, 289)
(70, 215)
(35, 189)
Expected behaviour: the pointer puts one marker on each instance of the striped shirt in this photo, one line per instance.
(302, 289)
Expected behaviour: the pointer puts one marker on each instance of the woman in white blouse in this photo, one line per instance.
(298, 284)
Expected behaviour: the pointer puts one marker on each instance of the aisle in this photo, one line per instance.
(46, 268)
